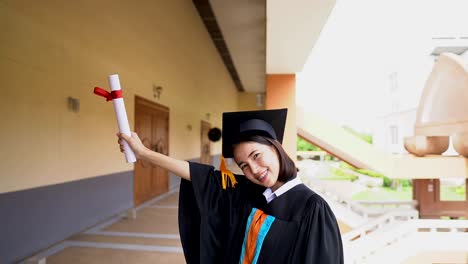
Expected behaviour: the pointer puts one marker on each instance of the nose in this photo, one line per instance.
(253, 168)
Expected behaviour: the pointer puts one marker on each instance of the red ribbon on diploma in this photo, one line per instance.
(109, 96)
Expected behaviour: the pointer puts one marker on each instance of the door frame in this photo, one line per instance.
(145, 103)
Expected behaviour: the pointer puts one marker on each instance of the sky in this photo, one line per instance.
(346, 77)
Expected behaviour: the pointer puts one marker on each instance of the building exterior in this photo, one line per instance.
(404, 91)
(181, 65)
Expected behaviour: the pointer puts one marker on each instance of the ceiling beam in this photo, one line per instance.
(209, 20)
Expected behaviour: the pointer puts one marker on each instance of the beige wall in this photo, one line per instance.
(248, 102)
(50, 50)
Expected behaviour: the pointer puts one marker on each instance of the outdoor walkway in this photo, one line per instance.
(152, 237)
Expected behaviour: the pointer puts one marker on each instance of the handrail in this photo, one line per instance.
(378, 223)
(435, 225)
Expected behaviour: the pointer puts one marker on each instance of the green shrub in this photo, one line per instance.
(303, 145)
(406, 183)
(387, 182)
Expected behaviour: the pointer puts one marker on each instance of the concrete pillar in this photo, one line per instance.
(281, 93)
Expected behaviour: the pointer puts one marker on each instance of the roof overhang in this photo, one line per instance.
(258, 37)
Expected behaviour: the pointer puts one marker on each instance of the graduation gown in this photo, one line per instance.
(299, 225)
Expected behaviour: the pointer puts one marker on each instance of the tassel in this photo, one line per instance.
(227, 176)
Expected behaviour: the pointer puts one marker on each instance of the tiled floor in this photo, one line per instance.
(90, 255)
(152, 237)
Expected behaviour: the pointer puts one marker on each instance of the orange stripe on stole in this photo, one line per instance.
(255, 226)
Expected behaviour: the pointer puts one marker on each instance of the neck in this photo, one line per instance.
(276, 186)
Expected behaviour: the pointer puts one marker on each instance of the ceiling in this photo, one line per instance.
(293, 28)
(259, 37)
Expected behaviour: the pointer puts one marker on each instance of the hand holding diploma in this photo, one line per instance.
(176, 166)
(134, 142)
(129, 141)
(116, 97)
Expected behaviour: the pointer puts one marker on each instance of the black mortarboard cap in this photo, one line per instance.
(269, 123)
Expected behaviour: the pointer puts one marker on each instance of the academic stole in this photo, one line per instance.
(258, 225)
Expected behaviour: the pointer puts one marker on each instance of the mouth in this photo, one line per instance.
(263, 176)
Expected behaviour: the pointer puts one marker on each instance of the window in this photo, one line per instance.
(393, 82)
(452, 189)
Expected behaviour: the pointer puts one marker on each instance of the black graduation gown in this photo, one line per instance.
(212, 222)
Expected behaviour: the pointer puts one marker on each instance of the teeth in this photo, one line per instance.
(263, 176)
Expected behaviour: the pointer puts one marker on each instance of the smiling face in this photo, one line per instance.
(259, 163)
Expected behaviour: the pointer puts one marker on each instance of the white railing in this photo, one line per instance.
(379, 223)
(436, 225)
(364, 244)
(392, 231)
(372, 236)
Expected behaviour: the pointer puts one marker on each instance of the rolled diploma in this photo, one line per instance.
(121, 115)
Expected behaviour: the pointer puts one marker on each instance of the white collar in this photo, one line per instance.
(270, 195)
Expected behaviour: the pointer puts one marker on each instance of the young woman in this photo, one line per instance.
(264, 216)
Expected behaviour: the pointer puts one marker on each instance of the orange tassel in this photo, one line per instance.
(227, 176)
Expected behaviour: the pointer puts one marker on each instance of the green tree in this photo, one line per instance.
(303, 145)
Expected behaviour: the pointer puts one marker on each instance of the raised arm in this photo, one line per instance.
(178, 167)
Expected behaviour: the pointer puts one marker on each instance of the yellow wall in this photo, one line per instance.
(50, 50)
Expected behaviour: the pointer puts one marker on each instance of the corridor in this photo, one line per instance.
(151, 237)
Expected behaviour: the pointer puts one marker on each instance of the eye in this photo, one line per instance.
(256, 155)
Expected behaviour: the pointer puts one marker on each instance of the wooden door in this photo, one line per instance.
(205, 149)
(152, 126)
(427, 193)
